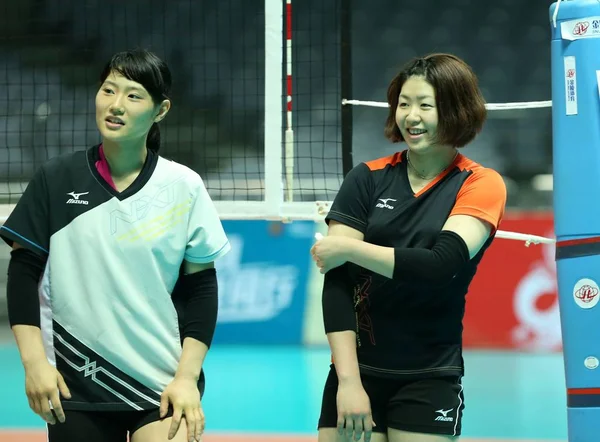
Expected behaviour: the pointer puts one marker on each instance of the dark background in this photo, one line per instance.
(52, 51)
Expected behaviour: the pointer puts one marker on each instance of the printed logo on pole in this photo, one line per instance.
(586, 293)
(571, 85)
(591, 362)
(581, 28)
(588, 27)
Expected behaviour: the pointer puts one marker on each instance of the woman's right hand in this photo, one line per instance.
(354, 410)
(44, 385)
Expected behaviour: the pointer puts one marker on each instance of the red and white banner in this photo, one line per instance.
(513, 301)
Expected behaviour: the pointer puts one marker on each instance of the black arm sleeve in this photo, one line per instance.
(196, 295)
(351, 208)
(24, 271)
(438, 265)
(337, 301)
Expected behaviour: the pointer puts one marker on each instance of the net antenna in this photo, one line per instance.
(289, 132)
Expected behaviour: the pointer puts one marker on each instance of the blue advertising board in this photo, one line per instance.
(263, 282)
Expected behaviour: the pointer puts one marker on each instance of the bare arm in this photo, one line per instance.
(29, 342)
(192, 358)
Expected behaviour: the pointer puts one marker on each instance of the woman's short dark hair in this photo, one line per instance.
(150, 71)
(460, 104)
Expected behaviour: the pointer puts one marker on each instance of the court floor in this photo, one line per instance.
(273, 394)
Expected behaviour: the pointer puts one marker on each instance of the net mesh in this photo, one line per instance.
(52, 57)
(52, 51)
(317, 99)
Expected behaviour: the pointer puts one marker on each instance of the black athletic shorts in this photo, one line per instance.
(101, 426)
(107, 426)
(430, 406)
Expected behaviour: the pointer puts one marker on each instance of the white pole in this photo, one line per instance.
(273, 106)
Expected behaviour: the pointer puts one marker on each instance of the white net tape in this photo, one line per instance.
(489, 106)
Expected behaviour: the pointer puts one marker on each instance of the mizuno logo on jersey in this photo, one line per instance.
(384, 203)
(76, 200)
(444, 415)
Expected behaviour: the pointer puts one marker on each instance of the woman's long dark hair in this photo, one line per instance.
(147, 69)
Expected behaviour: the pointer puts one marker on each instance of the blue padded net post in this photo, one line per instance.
(576, 150)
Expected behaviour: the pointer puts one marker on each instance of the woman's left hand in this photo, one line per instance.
(330, 252)
(184, 397)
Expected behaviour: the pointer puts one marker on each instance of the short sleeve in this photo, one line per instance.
(207, 240)
(28, 223)
(350, 206)
(483, 196)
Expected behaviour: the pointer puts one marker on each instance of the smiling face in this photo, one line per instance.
(125, 111)
(440, 94)
(417, 115)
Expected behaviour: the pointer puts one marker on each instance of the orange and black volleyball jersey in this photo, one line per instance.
(406, 328)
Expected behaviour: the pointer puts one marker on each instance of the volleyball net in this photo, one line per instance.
(262, 95)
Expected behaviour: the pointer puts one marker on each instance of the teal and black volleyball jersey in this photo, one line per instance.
(108, 321)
